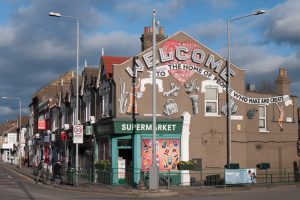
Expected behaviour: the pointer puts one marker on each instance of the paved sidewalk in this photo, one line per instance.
(127, 190)
(94, 187)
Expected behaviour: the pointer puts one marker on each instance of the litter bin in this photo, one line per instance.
(71, 176)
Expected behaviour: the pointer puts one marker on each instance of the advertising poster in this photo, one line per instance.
(240, 176)
(167, 154)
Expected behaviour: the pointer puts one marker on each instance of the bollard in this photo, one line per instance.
(168, 178)
(141, 184)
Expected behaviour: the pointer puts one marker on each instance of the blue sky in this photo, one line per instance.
(36, 48)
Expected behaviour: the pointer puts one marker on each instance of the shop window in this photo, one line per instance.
(124, 142)
(211, 101)
(262, 118)
(167, 154)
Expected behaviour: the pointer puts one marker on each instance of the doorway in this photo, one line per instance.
(125, 169)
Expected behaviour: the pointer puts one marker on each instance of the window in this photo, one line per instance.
(262, 118)
(211, 101)
(63, 116)
(54, 119)
(87, 111)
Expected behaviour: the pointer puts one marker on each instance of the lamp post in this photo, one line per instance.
(258, 12)
(56, 14)
(153, 181)
(20, 126)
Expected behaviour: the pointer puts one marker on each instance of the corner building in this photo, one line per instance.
(191, 109)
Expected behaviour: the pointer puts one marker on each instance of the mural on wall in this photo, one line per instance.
(194, 98)
(281, 116)
(233, 108)
(191, 86)
(182, 60)
(123, 97)
(134, 94)
(182, 55)
(170, 107)
(251, 113)
(167, 154)
(148, 80)
(174, 89)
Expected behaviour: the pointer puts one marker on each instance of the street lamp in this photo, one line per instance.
(153, 181)
(56, 14)
(258, 12)
(20, 126)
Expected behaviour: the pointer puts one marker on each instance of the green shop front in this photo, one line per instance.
(130, 146)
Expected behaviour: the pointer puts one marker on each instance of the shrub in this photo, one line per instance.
(186, 165)
(103, 164)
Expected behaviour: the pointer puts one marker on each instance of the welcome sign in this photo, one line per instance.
(163, 71)
(182, 59)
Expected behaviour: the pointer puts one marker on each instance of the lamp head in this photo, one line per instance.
(260, 12)
(54, 14)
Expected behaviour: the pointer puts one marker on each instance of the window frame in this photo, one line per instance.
(264, 129)
(216, 101)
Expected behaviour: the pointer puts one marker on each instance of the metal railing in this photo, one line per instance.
(212, 177)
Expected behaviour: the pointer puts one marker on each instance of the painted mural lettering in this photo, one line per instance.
(181, 60)
(186, 53)
(223, 85)
(138, 67)
(216, 66)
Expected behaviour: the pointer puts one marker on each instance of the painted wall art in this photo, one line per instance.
(167, 154)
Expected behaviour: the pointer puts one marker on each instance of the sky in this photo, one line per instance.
(35, 48)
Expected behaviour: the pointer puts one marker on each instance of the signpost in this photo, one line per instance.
(78, 134)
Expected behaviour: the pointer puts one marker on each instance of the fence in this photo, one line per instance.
(212, 177)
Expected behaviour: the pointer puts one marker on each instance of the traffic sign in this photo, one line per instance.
(78, 134)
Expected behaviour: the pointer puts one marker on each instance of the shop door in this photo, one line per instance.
(125, 165)
(124, 161)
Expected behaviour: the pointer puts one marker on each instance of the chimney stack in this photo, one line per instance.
(282, 83)
(146, 38)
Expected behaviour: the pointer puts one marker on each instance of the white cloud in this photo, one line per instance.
(135, 9)
(282, 24)
(255, 59)
(5, 110)
(7, 36)
(115, 43)
(209, 30)
(216, 4)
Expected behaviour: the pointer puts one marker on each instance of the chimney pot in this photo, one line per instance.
(146, 30)
(151, 29)
(161, 31)
(281, 72)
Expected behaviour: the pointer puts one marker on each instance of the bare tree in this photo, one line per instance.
(267, 86)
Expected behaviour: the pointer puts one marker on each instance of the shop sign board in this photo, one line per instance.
(41, 124)
(146, 127)
(88, 130)
(240, 176)
(46, 138)
(78, 134)
(103, 129)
